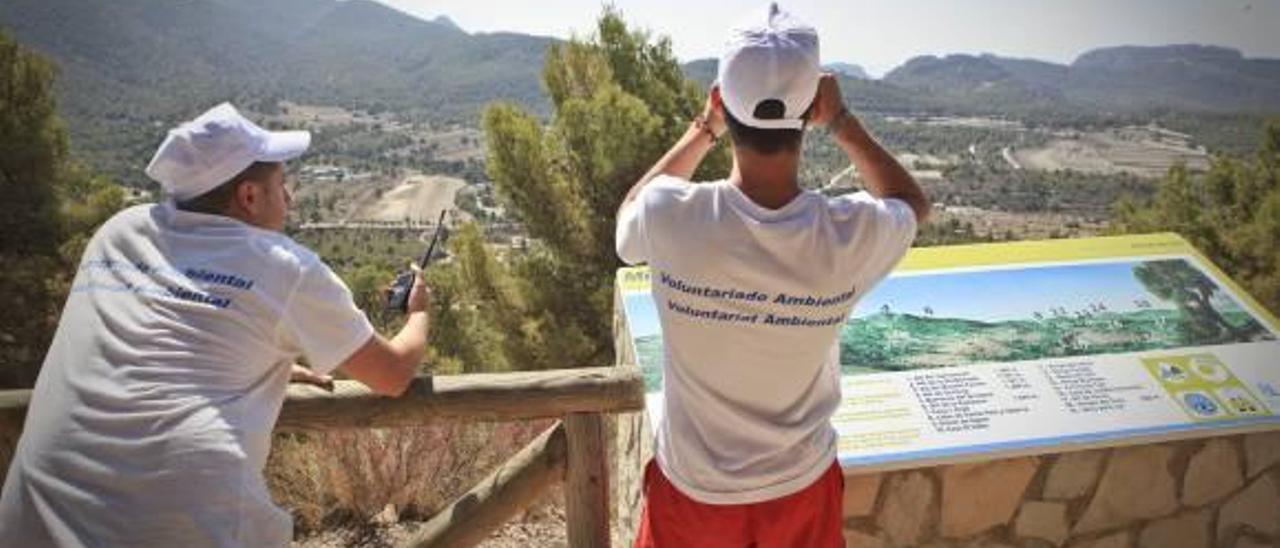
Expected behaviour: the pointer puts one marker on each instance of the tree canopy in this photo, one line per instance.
(1231, 213)
(1175, 280)
(52, 206)
(619, 100)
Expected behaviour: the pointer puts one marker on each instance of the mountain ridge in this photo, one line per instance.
(1183, 76)
(127, 67)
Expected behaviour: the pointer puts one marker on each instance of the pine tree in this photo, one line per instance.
(1231, 213)
(32, 147)
(619, 100)
(52, 206)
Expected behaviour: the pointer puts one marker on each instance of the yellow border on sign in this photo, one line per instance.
(635, 279)
(1038, 251)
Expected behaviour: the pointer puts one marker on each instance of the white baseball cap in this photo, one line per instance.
(204, 153)
(767, 64)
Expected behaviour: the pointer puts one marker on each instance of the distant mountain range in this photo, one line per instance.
(849, 69)
(129, 65)
(353, 52)
(1125, 78)
(1191, 77)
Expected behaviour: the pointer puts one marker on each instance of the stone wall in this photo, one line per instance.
(632, 445)
(1221, 492)
(1215, 492)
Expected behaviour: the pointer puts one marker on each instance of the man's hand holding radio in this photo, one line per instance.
(420, 294)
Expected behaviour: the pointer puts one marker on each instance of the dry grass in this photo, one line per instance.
(541, 526)
(344, 478)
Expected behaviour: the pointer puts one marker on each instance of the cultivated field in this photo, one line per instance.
(297, 115)
(417, 199)
(1019, 225)
(1145, 152)
(451, 143)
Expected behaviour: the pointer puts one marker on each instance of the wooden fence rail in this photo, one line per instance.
(488, 397)
(573, 450)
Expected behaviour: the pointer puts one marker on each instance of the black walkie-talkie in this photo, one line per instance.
(398, 296)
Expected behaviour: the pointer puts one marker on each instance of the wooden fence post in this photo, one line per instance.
(586, 491)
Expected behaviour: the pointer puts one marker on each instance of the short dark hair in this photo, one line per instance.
(763, 141)
(218, 201)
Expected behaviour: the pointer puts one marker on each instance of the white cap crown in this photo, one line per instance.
(202, 154)
(769, 71)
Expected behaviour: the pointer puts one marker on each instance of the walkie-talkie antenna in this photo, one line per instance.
(398, 295)
(431, 248)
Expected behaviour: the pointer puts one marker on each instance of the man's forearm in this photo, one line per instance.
(883, 176)
(410, 344)
(681, 161)
(388, 366)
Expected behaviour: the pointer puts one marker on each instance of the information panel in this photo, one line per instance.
(1027, 346)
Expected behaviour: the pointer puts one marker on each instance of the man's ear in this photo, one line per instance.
(247, 197)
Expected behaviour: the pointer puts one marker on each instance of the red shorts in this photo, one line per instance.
(807, 518)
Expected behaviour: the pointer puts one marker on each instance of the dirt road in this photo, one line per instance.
(417, 198)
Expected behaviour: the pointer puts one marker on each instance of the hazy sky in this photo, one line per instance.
(881, 34)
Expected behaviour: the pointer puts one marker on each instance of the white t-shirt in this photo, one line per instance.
(751, 302)
(151, 420)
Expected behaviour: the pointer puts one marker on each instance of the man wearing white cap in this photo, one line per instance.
(151, 420)
(753, 278)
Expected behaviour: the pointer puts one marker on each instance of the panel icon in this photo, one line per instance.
(1204, 387)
